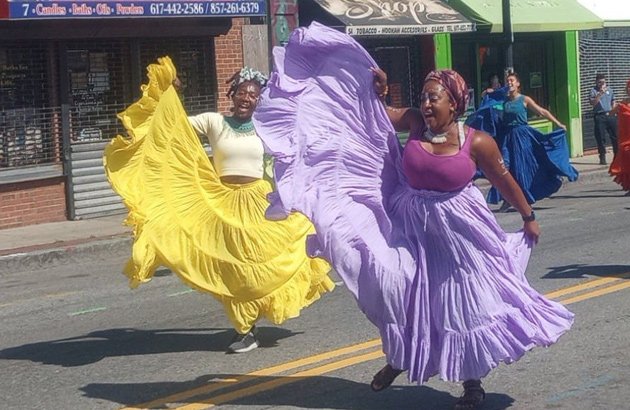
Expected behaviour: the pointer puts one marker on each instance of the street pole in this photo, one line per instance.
(508, 37)
(268, 5)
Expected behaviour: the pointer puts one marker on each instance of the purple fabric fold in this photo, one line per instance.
(433, 271)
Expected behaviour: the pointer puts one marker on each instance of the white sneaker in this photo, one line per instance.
(243, 343)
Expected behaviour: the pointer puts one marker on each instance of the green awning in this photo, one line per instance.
(529, 15)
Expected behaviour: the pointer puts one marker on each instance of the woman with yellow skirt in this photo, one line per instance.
(206, 220)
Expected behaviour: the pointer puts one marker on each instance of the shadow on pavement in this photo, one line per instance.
(594, 193)
(582, 270)
(95, 346)
(317, 392)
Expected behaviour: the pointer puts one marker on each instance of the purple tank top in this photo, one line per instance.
(443, 173)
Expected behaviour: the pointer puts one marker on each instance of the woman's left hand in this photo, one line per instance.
(177, 84)
(532, 231)
(380, 81)
(564, 127)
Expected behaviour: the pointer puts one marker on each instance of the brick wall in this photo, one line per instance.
(229, 59)
(33, 202)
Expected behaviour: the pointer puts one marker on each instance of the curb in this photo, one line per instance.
(597, 174)
(46, 256)
(64, 253)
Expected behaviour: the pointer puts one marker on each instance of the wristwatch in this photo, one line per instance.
(531, 217)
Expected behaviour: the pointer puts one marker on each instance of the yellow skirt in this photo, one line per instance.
(214, 236)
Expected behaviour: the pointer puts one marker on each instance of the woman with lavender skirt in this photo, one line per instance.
(411, 236)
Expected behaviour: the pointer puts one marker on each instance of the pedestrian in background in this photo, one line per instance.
(494, 83)
(602, 99)
(206, 220)
(620, 167)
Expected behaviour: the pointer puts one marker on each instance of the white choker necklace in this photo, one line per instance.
(435, 138)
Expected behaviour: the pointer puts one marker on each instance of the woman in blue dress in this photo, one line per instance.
(537, 161)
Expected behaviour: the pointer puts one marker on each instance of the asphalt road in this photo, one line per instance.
(76, 337)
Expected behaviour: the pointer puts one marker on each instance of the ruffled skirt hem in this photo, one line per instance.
(214, 236)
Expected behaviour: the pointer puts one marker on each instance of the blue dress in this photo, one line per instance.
(537, 161)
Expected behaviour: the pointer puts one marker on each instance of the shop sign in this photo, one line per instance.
(397, 17)
(68, 9)
(409, 30)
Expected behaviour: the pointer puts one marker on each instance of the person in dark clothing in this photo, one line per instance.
(602, 99)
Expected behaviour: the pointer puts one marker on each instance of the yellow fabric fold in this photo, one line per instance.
(215, 237)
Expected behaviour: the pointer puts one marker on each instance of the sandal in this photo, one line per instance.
(473, 396)
(384, 378)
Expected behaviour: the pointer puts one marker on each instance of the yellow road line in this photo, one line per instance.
(587, 285)
(178, 397)
(596, 293)
(281, 381)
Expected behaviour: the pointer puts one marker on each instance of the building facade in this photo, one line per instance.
(64, 79)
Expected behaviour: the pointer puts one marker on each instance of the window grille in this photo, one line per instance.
(401, 62)
(99, 75)
(30, 130)
(100, 86)
(605, 51)
(194, 60)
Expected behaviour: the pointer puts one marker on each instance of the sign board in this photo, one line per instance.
(70, 9)
(396, 17)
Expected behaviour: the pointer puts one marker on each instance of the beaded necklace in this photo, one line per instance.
(434, 138)
(240, 127)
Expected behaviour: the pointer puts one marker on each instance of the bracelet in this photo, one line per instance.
(530, 218)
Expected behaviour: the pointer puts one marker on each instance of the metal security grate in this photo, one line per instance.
(23, 75)
(605, 51)
(30, 131)
(194, 60)
(401, 62)
(30, 136)
(99, 73)
(102, 87)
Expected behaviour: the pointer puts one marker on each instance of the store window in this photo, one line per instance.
(99, 77)
(478, 61)
(530, 62)
(194, 60)
(30, 131)
(400, 59)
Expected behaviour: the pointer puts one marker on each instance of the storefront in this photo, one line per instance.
(406, 38)
(605, 51)
(545, 51)
(68, 67)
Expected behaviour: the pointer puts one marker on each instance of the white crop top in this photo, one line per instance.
(236, 148)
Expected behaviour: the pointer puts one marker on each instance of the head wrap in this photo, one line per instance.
(455, 87)
(246, 74)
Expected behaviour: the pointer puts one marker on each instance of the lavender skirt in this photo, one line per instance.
(444, 284)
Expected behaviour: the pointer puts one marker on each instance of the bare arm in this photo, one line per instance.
(403, 119)
(531, 105)
(615, 108)
(485, 153)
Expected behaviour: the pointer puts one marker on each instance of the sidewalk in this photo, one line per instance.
(36, 246)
